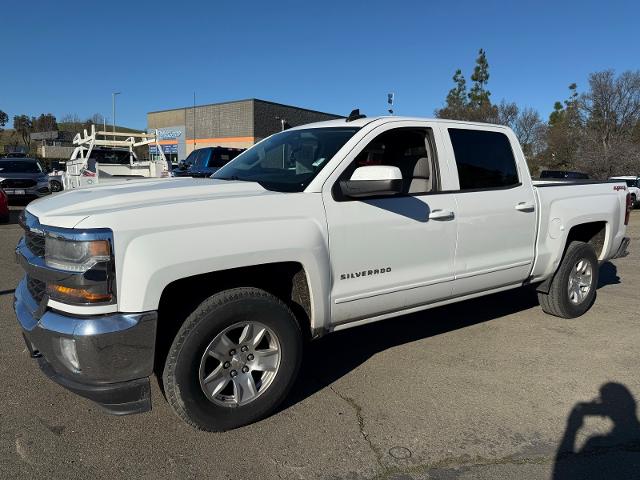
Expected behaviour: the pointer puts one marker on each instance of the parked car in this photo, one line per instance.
(4, 207)
(563, 174)
(204, 162)
(56, 175)
(633, 184)
(23, 178)
(315, 229)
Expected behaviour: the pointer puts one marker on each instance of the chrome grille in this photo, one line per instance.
(18, 183)
(35, 242)
(36, 288)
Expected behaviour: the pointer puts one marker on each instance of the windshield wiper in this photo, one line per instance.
(233, 177)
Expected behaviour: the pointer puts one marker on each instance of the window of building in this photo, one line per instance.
(484, 159)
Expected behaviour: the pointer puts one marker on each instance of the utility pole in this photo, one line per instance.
(194, 120)
(113, 111)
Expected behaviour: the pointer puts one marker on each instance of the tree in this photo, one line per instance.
(564, 131)
(456, 101)
(479, 95)
(22, 124)
(44, 123)
(4, 118)
(531, 132)
(474, 105)
(96, 119)
(610, 114)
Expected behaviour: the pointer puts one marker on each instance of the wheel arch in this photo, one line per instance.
(593, 233)
(288, 281)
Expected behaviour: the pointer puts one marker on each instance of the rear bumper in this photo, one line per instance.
(623, 249)
(105, 358)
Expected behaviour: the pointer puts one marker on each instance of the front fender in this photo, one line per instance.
(153, 260)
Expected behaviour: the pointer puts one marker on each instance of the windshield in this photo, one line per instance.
(20, 166)
(287, 161)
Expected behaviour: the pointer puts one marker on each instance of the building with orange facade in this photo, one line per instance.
(237, 124)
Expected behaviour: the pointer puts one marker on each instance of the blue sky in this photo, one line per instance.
(67, 57)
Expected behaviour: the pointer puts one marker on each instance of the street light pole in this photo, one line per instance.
(113, 111)
(194, 121)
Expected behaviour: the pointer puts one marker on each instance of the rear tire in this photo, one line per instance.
(573, 288)
(55, 186)
(242, 382)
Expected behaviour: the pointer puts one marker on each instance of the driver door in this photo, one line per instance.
(391, 253)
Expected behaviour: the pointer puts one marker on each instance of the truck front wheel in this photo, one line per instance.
(573, 289)
(233, 360)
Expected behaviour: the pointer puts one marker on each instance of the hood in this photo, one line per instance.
(67, 209)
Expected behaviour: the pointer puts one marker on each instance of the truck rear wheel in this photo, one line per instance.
(573, 289)
(233, 360)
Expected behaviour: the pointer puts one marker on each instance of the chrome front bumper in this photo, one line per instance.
(106, 358)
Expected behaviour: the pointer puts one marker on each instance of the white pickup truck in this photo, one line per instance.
(215, 284)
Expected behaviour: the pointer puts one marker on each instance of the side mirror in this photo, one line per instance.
(373, 181)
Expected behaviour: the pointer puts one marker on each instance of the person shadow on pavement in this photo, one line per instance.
(614, 455)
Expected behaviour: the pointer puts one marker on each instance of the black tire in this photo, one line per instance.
(55, 186)
(557, 302)
(181, 375)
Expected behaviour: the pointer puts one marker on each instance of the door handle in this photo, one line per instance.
(441, 215)
(525, 207)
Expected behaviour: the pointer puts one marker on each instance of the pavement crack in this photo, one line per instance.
(361, 426)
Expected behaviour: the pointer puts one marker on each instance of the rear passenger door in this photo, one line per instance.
(496, 209)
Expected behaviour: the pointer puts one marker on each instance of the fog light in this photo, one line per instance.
(69, 354)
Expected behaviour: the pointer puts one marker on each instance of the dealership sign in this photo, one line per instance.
(169, 134)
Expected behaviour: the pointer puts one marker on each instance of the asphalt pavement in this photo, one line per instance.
(481, 389)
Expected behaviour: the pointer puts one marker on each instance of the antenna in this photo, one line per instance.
(355, 115)
(390, 97)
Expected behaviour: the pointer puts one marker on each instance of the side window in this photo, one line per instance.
(410, 150)
(484, 159)
(203, 157)
(219, 159)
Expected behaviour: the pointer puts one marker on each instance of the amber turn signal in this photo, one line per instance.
(78, 294)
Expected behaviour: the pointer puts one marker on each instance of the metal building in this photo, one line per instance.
(237, 124)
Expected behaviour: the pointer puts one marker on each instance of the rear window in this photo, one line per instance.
(20, 166)
(221, 157)
(484, 159)
(111, 157)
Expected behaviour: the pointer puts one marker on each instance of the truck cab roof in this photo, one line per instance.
(361, 122)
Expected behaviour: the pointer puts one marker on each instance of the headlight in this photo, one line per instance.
(90, 264)
(75, 256)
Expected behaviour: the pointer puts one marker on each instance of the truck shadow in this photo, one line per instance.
(613, 455)
(608, 275)
(332, 357)
(335, 355)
